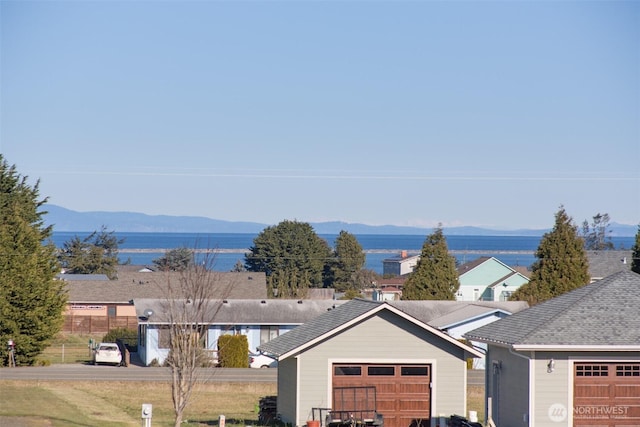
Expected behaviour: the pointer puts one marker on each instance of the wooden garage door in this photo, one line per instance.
(402, 391)
(606, 395)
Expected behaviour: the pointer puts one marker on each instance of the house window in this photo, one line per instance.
(628, 370)
(505, 295)
(348, 370)
(592, 371)
(111, 311)
(164, 337)
(267, 333)
(142, 336)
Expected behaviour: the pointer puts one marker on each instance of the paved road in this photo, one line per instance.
(475, 377)
(79, 372)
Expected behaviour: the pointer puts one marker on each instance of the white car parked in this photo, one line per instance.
(108, 353)
(260, 360)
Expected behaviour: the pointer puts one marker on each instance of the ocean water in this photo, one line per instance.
(143, 248)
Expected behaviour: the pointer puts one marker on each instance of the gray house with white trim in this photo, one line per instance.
(572, 361)
(418, 372)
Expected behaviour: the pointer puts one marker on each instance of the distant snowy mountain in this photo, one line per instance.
(67, 220)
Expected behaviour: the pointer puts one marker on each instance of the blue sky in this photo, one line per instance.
(377, 112)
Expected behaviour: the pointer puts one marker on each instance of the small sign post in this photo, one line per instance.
(147, 412)
(11, 346)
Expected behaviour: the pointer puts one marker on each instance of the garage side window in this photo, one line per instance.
(628, 370)
(592, 371)
(381, 371)
(414, 371)
(347, 370)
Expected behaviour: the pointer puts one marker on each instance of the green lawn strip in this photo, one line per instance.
(35, 401)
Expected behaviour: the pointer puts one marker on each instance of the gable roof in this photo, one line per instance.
(243, 311)
(603, 315)
(606, 263)
(468, 266)
(337, 320)
(443, 314)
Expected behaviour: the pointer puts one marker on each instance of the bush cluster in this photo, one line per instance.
(233, 351)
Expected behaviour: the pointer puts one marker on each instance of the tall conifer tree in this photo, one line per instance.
(31, 300)
(635, 263)
(435, 276)
(561, 264)
(349, 259)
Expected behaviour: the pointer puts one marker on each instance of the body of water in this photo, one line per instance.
(143, 248)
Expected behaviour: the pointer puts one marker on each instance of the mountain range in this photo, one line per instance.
(63, 219)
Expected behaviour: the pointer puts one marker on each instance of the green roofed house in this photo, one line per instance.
(366, 354)
(572, 361)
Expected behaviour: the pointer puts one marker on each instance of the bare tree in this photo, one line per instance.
(193, 297)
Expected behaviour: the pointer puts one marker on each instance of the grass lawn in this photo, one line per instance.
(76, 403)
(104, 403)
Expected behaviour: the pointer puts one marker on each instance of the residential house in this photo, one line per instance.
(456, 318)
(98, 305)
(488, 279)
(260, 320)
(415, 371)
(263, 320)
(400, 265)
(573, 360)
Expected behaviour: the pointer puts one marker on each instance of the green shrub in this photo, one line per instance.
(129, 338)
(233, 351)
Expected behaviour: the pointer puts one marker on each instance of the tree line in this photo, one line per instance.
(292, 256)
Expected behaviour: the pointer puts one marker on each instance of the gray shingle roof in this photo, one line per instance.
(335, 319)
(134, 285)
(247, 312)
(442, 314)
(606, 263)
(603, 313)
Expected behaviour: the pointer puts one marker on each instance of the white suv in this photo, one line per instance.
(108, 353)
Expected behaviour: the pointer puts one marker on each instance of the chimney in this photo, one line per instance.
(403, 254)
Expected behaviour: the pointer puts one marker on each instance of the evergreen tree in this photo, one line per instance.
(635, 262)
(31, 300)
(178, 259)
(95, 254)
(349, 259)
(561, 264)
(435, 276)
(292, 256)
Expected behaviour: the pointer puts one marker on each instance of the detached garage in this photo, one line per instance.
(572, 361)
(366, 359)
